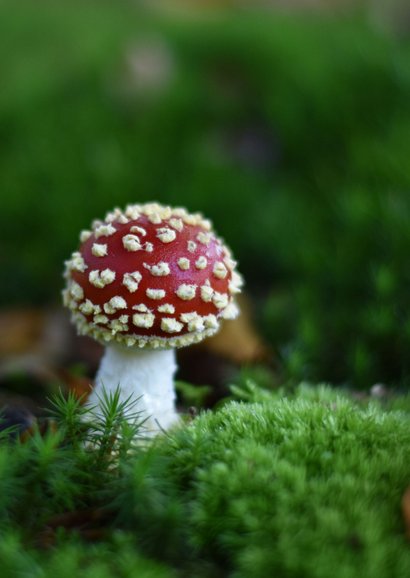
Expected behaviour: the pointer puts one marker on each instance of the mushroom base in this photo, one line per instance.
(144, 376)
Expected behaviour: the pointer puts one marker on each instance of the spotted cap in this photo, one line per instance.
(151, 276)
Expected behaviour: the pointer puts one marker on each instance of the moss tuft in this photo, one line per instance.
(290, 487)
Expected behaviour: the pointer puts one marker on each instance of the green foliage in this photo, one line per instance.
(400, 403)
(192, 395)
(105, 429)
(304, 485)
(291, 133)
(350, 323)
(118, 559)
(73, 467)
(70, 467)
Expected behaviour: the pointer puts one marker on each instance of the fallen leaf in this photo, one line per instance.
(405, 504)
(78, 518)
(90, 523)
(238, 340)
(79, 385)
(20, 331)
(43, 426)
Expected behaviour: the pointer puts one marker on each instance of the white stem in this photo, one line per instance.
(143, 374)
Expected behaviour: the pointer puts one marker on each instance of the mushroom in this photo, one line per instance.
(145, 281)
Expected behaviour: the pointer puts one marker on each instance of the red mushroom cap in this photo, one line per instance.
(151, 276)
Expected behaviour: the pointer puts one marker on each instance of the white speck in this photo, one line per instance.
(186, 292)
(138, 230)
(231, 311)
(166, 308)
(179, 212)
(144, 320)
(204, 238)
(170, 325)
(116, 325)
(176, 224)
(123, 318)
(165, 212)
(192, 219)
(149, 209)
(161, 269)
(102, 319)
(104, 230)
(131, 243)
(85, 235)
(67, 297)
(190, 316)
(194, 321)
(206, 224)
(88, 308)
(113, 215)
(148, 247)
(230, 263)
(220, 300)
(132, 281)
(76, 291)
(183, 263)
(191, 246)
(142, 308)
(155, 293)
(235, 283)
(196, 324)
(201, 262)
(210, 321)
(115, 303)
(99, 249)
(133, 211)
(101, 278)
(77, 263)
(154, 218)
(219, 270)
(206, 293)
(166, 235)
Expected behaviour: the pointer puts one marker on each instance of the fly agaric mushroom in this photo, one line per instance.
(145, 281)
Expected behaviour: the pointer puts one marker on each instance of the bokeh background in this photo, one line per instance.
(287, 123)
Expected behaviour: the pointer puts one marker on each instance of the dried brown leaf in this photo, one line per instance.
(20, 331)
(405, 504)
(79, 385)
(238, 340)
(90, 523)
(78, 518)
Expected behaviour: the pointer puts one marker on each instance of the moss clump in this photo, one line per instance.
(308, 485)
(304, 487)
(118, 558)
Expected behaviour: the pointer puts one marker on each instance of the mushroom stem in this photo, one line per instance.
(145, 375)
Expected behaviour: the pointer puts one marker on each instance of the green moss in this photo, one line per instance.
(68, 558)
(304, 487)
(307, 484)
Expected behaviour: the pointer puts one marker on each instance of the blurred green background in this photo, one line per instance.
(290, 129)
